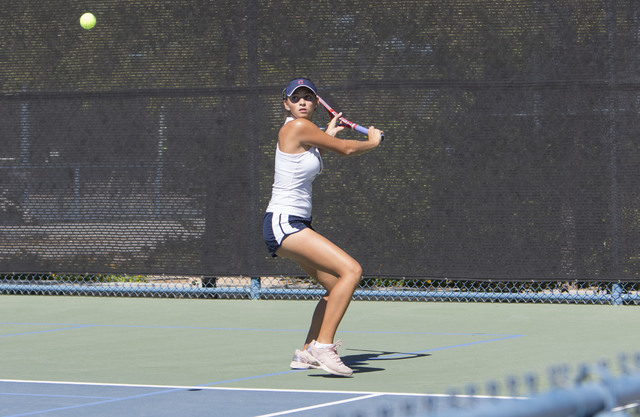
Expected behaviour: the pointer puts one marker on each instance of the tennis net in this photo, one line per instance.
(589, 391)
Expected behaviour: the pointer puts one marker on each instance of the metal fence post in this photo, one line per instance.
(616, 294)
(254, 290)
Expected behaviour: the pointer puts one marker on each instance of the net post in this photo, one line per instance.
(254, 289)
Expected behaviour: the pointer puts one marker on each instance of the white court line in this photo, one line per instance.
(314, 407)
(208, 388)
(363, 394)
(201, 387)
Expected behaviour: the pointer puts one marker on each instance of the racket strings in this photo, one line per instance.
(322, 118)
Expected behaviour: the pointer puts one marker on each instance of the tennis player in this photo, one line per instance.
(287, 222)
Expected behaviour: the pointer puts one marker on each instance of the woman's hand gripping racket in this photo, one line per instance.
(343, 121)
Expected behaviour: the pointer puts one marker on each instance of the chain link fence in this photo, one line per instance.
(298, 288)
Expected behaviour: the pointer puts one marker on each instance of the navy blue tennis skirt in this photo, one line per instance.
(277, 226)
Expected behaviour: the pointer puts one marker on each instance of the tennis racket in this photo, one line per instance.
(343, 121)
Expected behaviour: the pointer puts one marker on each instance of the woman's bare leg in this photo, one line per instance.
(318, 313)
(334, 269)
(316, 321)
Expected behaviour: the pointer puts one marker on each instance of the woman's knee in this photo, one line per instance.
(352, 272)
(357, 270)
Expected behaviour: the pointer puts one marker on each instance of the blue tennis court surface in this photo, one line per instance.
(33, 398)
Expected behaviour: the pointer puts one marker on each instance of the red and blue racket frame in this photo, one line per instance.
(343, 121)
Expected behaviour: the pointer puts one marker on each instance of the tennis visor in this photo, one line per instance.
(297, 83)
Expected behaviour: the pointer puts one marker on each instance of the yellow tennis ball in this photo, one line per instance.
(87, 21)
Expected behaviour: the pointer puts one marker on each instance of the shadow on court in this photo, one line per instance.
(360, 363)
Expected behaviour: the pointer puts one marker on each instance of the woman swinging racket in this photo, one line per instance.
(287, 223)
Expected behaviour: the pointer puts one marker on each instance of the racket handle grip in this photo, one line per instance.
(361, 129)
(364, 130)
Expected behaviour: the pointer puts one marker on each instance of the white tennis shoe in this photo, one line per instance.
(303, 360)
(329, 359)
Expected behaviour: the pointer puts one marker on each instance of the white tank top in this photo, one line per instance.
(292, 185)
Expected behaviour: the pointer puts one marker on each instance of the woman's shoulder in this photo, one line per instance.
(290, 138)
(295, 129)
(294, 124)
